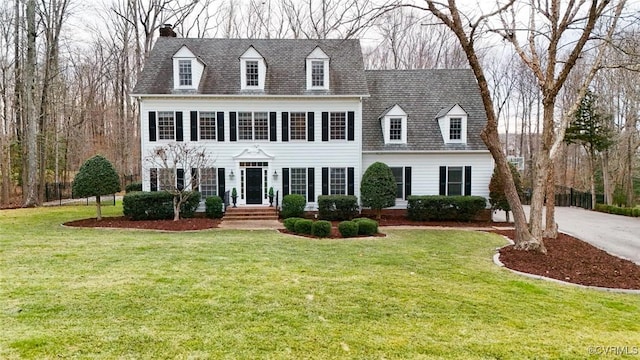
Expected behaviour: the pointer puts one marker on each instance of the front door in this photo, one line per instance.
(254, 185)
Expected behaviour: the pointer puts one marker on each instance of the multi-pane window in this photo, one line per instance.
(317, 73)
(338, 126)
(208, 185)
(252, 73)
(395, 129)
(454, 180)
(455, 129)
(298, 178)
(398, 174)
(337, 181)
(166, 180)
(166, 125)
(298, 126)
(207, 125)
(184, 72)
(253, 126)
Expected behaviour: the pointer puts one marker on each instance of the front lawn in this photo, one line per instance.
(416, 294)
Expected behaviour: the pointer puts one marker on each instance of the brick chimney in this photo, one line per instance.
(166, 30)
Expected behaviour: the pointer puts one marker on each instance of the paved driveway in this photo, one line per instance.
(618, 235)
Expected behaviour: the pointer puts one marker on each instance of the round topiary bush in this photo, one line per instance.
(348, 228)
(321, 228)
(366, 226)
(303, 226)
(290, 223)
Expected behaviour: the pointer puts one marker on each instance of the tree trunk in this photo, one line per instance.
(592, 180)
(98, 208)
(30, 188)
(609, 187)
(176, 208)
(551, 227)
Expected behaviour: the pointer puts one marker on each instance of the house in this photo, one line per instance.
(303, 116)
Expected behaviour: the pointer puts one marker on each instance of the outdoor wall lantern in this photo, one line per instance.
(275, 174)
(231, 175)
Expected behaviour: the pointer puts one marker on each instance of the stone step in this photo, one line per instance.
(251, 213)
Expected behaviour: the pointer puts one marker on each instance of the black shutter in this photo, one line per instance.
(443, 180)
(285, 181)
(220, 125)
(195, 185)
(350, 181)
(153, 179)
(194, 126)
(285, 126)
(311, 181)
(179, 136)
(311, 132)
(180, 179)
(152, 126)
(325, 181)
(221, 184)
(351, 123)
(467, 180)
(232, 127)
(407, 182)
(325, 126)
(272, 127)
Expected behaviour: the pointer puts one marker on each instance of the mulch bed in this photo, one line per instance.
(567, 259)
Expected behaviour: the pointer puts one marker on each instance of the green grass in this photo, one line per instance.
(223, 294)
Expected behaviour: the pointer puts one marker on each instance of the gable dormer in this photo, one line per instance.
(253, 70)
(394, 125)
(453, 124)
(317, 70)
(187, 69)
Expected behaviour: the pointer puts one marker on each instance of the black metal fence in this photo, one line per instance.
(566, 196)
(58, 191)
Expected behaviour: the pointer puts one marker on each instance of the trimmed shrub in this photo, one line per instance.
(615, 210)
(366, 226)
(636, 212)
(348, 228)
(293, 206)
(337, 207)
(155, 205)
(189, 207)
(213, 207)
(303, 226)
(136, 186)
(378, 188)
(321, 228)
(290, 223)
(434, 207)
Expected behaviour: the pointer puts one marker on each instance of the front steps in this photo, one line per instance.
(250, 213)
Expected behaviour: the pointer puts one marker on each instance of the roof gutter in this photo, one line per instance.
(247, 96)
(417, 152)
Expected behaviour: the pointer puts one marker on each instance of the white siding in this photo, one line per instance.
(425, 169)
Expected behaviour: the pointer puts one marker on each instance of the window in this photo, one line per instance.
(253, 126)
(252, 73)
(166, 128)
(455, 129)
(395, 129)
(298, 126)
(338, 126)
(298, 178)
(317, 73)
(166, 180)
(454, 180)
(184, 72)
(208, 183)
(337, 181)
(207, 125)
(398, 174)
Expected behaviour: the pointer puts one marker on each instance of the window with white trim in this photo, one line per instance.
(395, 129)
(252, 73)
(337, 181)
(455, 128)
(185, 73)
(298, 126)
(298, 181)
(398, 174)
(253, 70)
(337, 126)
(208, 182)
(207, 125)
(455, 180)
(166, 125)
(317, 73)
(253, 126)
(317, 64)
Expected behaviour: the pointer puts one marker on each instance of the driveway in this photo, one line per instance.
(616, 234)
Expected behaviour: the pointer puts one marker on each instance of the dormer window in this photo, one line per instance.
(317, 70)
(394, 125)
(253, 70)
(453, 124)
(187, 70)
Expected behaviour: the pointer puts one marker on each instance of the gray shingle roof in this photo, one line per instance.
(285, 60)
(422, 94)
